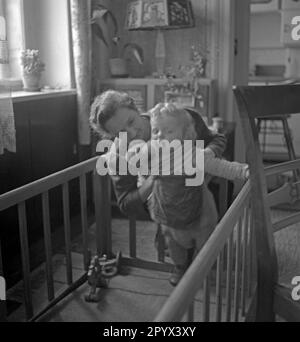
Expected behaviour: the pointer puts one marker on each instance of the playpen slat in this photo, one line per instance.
(84, 221)
(237, 272)
(223, 203)
(48, 245)
(67, 229)
(206, 299)
(101, 189)
(97, 189)
(249, 255)
(219, 272)
(25, 258)
(229, 277)
(160, 240)
(2, 302)
(250, 270)
(132, 237)
(190, 313)
(244, 259)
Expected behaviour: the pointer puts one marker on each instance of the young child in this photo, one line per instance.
(187, 214)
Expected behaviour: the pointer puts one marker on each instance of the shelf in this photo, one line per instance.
(271, 47)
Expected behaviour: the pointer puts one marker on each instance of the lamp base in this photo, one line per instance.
(160, 65)
(160, 53)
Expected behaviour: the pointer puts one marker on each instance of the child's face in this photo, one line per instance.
(165, 127)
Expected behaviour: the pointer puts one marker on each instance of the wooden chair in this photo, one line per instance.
(273, 297)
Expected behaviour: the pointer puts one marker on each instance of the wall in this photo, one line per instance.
(178, 42)
(46, 29)
(265, 46)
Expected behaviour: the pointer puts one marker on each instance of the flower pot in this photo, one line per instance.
(31, 81)
(118, 67)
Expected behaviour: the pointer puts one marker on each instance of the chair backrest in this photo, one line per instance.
(266, 102)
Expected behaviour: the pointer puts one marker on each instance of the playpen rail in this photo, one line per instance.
(18, 197)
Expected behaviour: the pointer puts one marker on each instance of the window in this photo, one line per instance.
(39, 25)
(11, 38)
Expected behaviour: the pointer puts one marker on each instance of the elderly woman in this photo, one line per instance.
(114, 112)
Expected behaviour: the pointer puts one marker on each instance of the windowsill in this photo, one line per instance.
(21, 96)
(15, 87)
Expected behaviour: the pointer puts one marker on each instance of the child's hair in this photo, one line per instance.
(180, 114)
(105, 106)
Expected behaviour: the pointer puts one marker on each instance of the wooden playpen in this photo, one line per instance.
(235, 274)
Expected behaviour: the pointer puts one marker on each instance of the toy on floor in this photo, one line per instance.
(100, 271)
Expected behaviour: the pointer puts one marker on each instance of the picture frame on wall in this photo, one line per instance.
(138, 93)
(180, 14)
(182, 99)
(154, 13)
(159, 14)
(133, 15)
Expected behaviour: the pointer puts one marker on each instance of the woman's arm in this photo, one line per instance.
(213, 141)
(131, 200)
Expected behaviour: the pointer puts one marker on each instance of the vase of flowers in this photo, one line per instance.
(32, 69)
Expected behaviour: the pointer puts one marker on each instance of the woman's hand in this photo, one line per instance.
(146, 188)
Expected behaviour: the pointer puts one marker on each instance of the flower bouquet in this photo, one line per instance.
(32, 69)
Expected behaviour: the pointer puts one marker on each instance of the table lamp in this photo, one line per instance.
(159, 15)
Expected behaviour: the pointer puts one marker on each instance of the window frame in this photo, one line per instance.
(11, 74)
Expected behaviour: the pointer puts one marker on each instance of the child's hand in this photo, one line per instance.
(209, 153)
(246, 171)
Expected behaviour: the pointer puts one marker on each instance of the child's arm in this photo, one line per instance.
(225, 169)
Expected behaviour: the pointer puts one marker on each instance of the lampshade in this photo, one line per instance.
(159, 14)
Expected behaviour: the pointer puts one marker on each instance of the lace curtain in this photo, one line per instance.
(7, 124)
(82, 47)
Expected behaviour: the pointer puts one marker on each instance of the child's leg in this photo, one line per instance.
(179, 245)
(178, 253)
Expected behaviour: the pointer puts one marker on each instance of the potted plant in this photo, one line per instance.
(102, 19)
(32, 69)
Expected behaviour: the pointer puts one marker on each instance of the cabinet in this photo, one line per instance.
(258, 6)
(46, 140)
(290, 4)
(149, 91)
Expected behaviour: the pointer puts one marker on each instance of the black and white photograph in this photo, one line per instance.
(149, 164)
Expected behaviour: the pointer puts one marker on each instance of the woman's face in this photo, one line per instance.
(128, 121)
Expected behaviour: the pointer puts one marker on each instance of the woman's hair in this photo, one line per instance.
(180, 114)
(105, 106)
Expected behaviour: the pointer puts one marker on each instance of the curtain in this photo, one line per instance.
(7, 123)
(82, 47)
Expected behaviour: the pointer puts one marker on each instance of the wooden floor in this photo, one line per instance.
(136, 295)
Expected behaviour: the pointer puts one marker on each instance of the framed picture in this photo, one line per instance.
(180, 14)
(133, 16)
(154, 13)
(165, 14)
(138, 93)
(182, 99)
